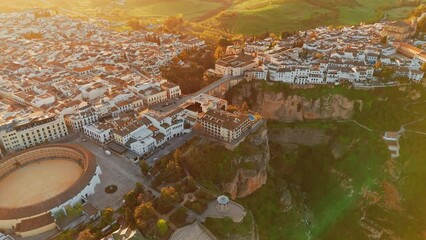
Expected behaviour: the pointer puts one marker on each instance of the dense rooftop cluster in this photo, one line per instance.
(356, 54)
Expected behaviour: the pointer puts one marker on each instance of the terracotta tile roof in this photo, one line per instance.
(36, 223)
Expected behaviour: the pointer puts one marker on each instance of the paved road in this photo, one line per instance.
(173, 145)
(116, 170)
(174, 103)
(120, 171)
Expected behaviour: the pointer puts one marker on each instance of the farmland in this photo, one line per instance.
(254, 17)
(246, 17)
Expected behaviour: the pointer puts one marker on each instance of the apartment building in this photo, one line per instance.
(235, 65)
(76, 121)
(100, 132)
(31, 131)
(224, 125)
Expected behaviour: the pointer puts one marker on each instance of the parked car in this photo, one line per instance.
(107, 152)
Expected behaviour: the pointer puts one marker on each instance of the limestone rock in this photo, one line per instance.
(247, 181)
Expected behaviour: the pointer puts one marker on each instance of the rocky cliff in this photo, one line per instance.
(288, 107)
(249, 179)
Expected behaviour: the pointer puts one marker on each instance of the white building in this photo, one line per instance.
(224, 125)
(81, 118)
(235, 65)
(31, 131)
(100, 132)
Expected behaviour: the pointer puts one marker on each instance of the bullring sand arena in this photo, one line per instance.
(37, 182)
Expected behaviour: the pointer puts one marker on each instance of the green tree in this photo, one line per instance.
(86, 235)
(384, 40)
(66, 235)
(387, 73)
(421, 25)
(245, 107)
(144, 214)
(423, 67)
(139, 188)
(135, 25)
(169, 194)
(107, 216)
(129, 217)
(184, 55)
(177, 155)
(144, 167)
(162, 226)
(223, 43)
(218, 53)
(131, 199)
(173, 23)
(173, 171)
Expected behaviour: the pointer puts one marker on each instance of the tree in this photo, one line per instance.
(177, 155)
(423, 67)
(218, 53)
(387, 73)
(162, 226)
(107, 216)
(139, 188)
(223, 43)
(66, 235)
(173, 23)
(245, 107)
(421, 25)
(299, 43)
(144, 166)
(384, 40)
(169, 194)
(129, 217)
(134, 24)
(86, 235)
(144, 214)
(131, 199)
(173, 171)
(183, 55)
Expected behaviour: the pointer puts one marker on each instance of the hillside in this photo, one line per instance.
(330, 174)
(254, 16)
(234, 16)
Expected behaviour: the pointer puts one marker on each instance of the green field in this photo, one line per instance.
(190, 9)
(254, 16)
(398, 13)
(235, 16)
(121, 10)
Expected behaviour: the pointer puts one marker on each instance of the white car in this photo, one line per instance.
(107, 152)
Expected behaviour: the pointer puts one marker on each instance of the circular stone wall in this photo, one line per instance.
(40, 179)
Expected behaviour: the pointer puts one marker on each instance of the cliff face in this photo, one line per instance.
(290, 108)
(248, 180)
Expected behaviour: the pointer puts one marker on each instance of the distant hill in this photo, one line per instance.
(258, 16)
(236, 16)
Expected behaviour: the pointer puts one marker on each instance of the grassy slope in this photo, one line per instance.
(254, 16)
(191, 9)
(413, 153)
(242, 16)
(18, 5)
(309, 168)
(335, 215)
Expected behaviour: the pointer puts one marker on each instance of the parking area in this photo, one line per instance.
(116, 170)
(120, 171)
